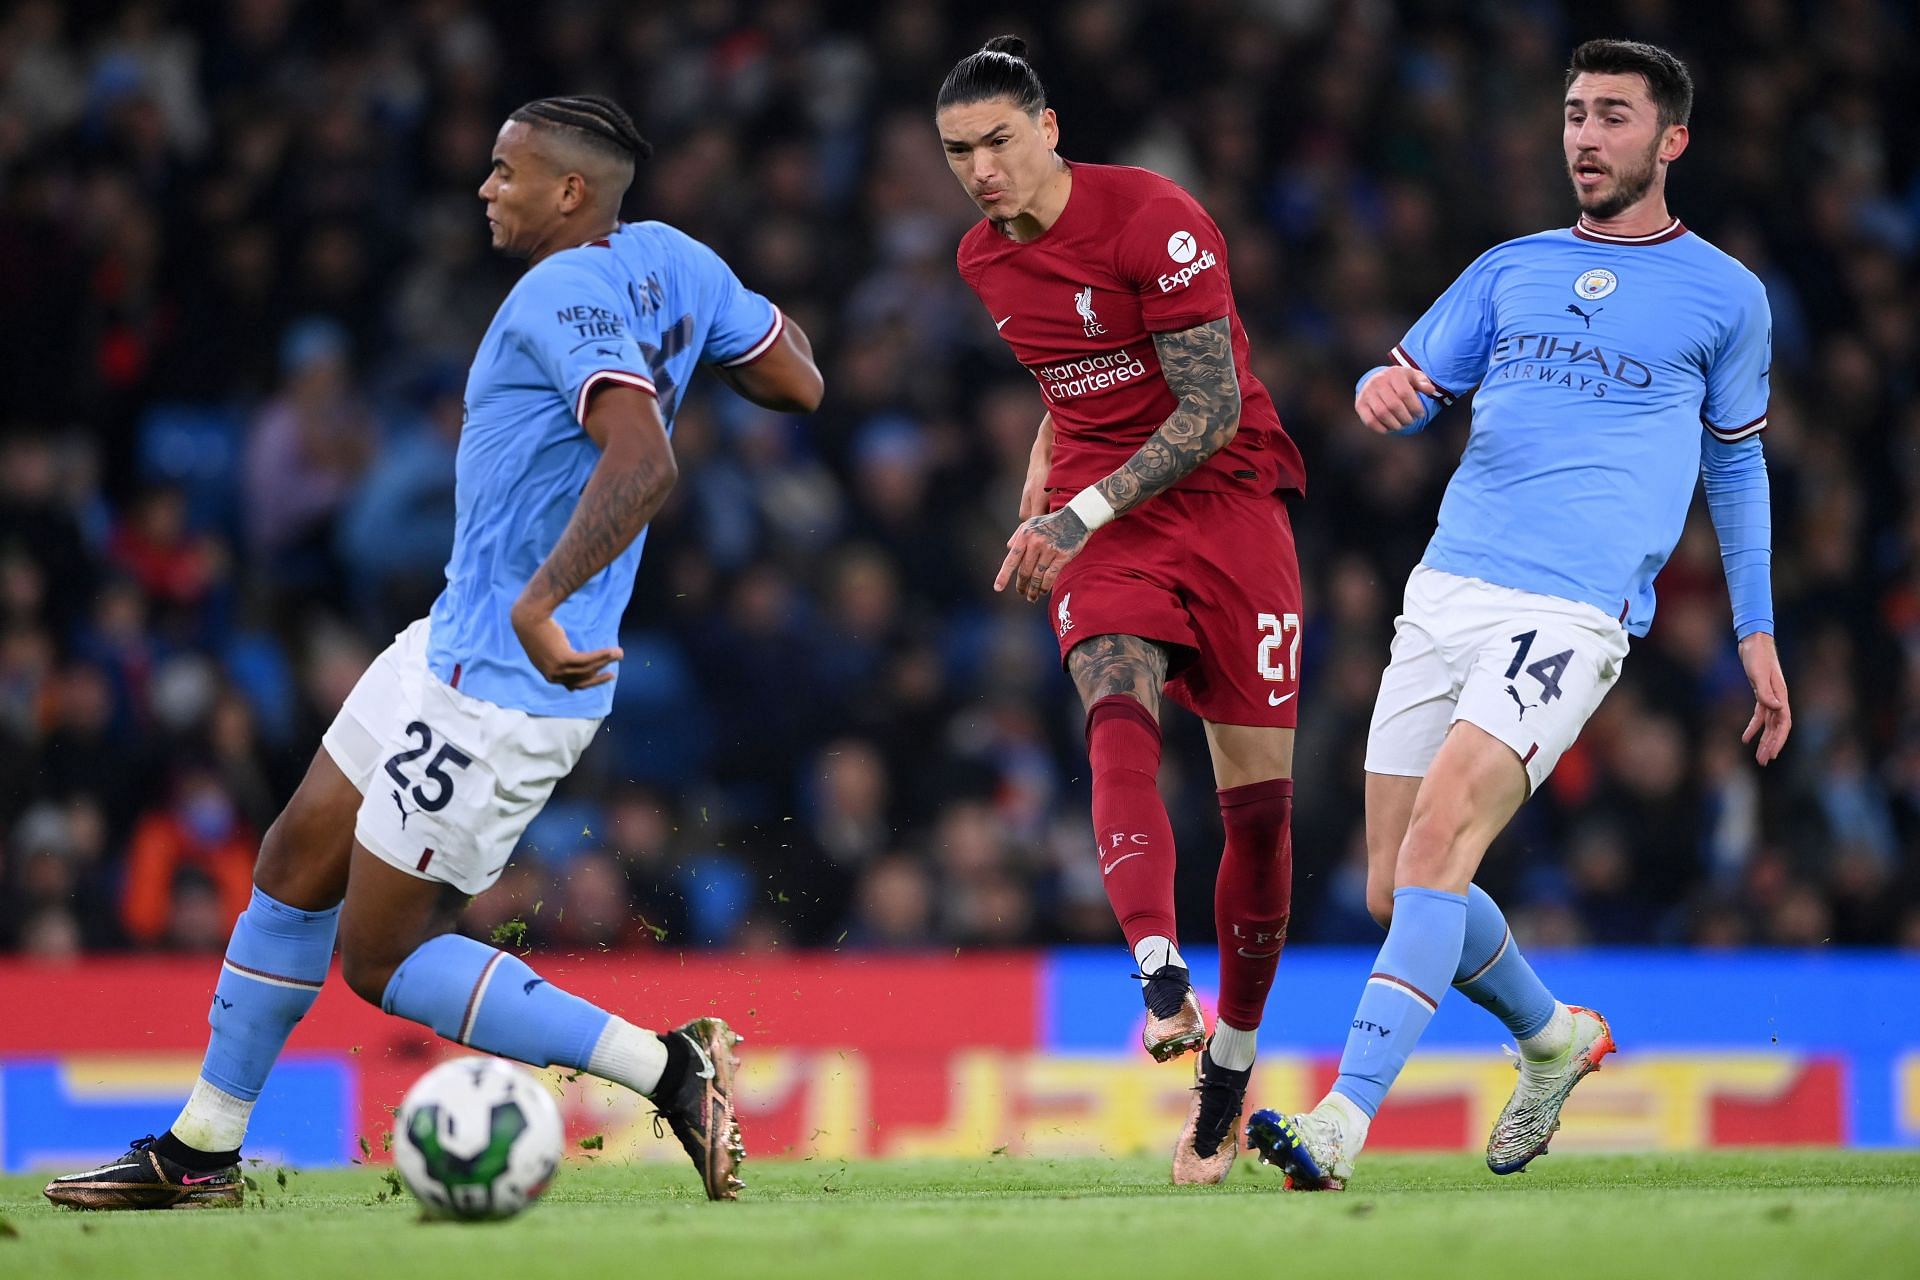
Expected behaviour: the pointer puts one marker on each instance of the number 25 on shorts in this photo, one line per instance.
(434, 801)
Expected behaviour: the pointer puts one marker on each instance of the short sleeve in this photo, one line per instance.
(745, 324)
(573, 324)
(1175, 258)
(1737, 379)
(1452, 342)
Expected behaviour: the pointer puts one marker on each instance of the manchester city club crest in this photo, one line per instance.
(1597, 283)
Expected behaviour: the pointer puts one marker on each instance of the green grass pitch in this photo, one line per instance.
(1742, 1215)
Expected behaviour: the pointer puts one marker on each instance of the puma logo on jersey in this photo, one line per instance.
(1575, 308)
(1524, 706)
(405, 812)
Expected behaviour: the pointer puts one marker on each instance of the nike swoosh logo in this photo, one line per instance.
(706, 1064)
(1274, 699)
(1108, 869)
(1000, 324)
(1256, 955)
(194, 1182)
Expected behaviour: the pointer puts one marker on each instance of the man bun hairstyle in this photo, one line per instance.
(598, 123)
(1667, 80)
(998, 69)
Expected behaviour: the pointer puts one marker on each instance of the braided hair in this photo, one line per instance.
(596, 122)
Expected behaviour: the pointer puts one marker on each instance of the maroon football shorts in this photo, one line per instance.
(1212, 576)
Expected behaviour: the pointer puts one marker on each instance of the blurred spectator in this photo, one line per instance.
(189, 867)
(154, 548)
(893, 905)
(306, 449)
(397, 530)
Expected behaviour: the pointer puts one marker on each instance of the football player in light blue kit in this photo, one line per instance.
(1616, 361)
(456, 735)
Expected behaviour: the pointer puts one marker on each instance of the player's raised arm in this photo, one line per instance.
(783, 377)
(1448, 347)
(635, 473)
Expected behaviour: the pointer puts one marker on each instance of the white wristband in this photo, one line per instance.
(1092, 507)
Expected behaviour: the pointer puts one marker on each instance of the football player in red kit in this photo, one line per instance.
(1154, 515)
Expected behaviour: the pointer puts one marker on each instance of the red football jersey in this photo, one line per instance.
(1130, 256)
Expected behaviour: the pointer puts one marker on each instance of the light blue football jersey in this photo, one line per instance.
(641, 308)
(1605, 367)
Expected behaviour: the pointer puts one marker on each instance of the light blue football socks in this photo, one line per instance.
(476, 995)
(1413, 970)
(276, 963)
(1494, 975)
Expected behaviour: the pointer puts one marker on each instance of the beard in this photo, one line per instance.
(1629, 185)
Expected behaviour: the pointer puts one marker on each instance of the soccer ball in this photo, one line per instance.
(477, 1138)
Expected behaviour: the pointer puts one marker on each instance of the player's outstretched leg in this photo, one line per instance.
(484, 998)
(275, 965)
(1136, 847)
(1558, 1046)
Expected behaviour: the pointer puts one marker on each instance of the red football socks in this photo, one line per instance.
(1135, 840)
(1253, 894)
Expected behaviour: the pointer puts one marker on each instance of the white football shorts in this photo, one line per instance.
(448, 782)
(1529, 669)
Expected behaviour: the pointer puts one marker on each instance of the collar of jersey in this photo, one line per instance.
(1672, 231)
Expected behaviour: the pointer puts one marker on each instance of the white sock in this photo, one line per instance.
(1550, 1041)
(629, 1055)
(213, 1119)
(1154, 952)
(1231, 1047)
(1352, 1121)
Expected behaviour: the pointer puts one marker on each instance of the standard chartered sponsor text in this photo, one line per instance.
(1089, 374)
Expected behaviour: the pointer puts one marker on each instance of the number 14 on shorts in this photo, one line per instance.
(1279, 632)
(1547, 670)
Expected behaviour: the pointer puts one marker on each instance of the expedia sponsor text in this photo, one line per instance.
(1184, 276)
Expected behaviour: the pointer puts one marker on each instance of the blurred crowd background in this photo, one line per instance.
(243, 266)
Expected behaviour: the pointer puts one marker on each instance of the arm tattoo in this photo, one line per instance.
(618, 501)
(1105, 665)
(1198, 364)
